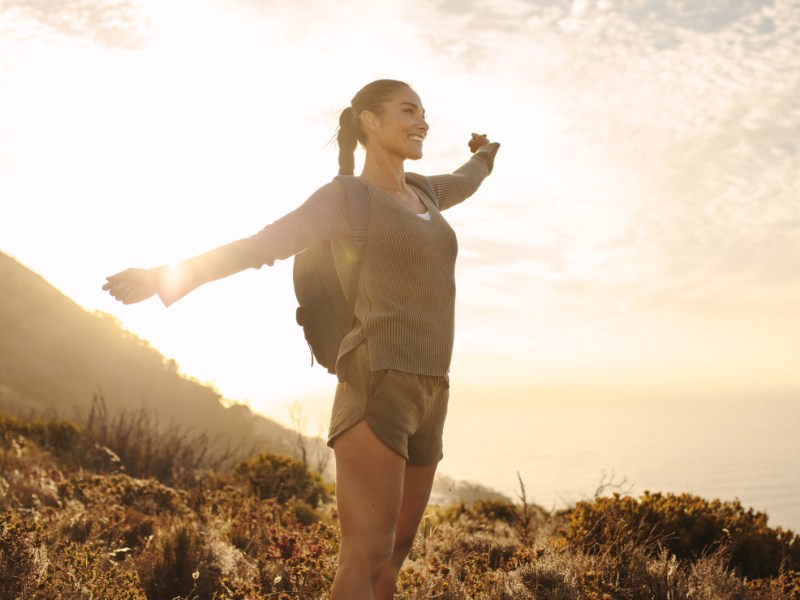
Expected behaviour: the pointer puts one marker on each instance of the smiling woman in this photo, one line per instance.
(389, 409)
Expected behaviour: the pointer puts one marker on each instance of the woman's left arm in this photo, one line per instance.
(459, 185)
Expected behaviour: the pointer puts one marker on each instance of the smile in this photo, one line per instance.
(416, 138)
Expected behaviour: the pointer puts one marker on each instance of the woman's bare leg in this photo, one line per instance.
(418, 482)
(369, 495)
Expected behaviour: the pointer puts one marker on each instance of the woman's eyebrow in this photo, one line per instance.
(413, 105)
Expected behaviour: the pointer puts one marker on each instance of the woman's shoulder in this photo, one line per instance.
(334, 187)
(328, 194)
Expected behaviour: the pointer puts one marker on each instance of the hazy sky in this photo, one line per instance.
(641, 229)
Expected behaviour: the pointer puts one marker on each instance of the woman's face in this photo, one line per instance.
(401, 128)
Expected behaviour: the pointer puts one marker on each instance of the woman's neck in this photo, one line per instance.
(385, 171)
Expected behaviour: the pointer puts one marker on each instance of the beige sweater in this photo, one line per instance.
(406, 298)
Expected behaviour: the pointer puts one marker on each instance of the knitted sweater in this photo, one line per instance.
(406, 298)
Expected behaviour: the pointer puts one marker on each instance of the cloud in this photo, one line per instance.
(701, 99)
(110, 23)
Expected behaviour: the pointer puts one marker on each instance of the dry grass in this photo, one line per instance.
(75, 523)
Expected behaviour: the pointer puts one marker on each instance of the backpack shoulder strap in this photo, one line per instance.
(421, 182)
(357, 208)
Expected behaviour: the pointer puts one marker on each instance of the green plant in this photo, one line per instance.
(59, 437)
(688, 526)
(280, 477)
(170, 567)
(23, 555)
(82, 571)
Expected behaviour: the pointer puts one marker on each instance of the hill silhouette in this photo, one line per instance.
(56, 358)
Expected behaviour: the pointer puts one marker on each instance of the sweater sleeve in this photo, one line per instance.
(323, 216)
(459, 185)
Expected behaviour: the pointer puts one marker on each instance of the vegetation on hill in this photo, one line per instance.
(76, 523)
(56, 358)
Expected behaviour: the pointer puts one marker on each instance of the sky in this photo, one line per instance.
(640, 231)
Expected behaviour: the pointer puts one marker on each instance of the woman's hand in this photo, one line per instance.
(131, 285)
(477, 141)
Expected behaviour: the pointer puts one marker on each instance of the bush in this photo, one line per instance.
(32, 569)
(688, 526)
(23, 555)
(81, 571)
(481, 510)
(170, 567)
(282, 478)
(59, 437)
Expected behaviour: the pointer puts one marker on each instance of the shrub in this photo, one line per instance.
(32, 569)
(58, 436)
(481, 510)
(303, 512)
(280, 477)
(81, 571)
(688, 526)
(144, 495)
(170, 567)
(23, 555)
(786, 586)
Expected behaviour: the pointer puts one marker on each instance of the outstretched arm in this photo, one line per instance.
(172, 283)
(459, 185)
(322, 216)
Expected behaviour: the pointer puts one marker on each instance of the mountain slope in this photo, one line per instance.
(55, 357)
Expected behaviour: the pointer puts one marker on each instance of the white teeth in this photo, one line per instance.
(416, 138)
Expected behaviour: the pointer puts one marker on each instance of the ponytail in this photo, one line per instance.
(347, 138)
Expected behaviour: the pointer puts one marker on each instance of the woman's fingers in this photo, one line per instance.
(477, 141)
(130, 286)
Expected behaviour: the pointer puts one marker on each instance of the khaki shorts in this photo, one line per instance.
(404, 410)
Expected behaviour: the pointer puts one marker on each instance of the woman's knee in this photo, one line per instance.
(368, 555)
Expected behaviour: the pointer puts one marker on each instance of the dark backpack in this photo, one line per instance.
(326, 313)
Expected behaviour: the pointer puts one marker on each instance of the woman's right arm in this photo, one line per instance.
(322, 216)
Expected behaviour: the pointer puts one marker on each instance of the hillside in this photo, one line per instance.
(55, 358)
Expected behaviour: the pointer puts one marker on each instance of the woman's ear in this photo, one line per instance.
(369, 120)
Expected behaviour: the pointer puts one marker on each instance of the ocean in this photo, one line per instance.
(726, 448)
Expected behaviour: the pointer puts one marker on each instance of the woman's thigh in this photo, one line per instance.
(369, 489)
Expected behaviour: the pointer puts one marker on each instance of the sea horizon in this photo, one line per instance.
(562, 451)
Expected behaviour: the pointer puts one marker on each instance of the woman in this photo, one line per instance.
(388, 416)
